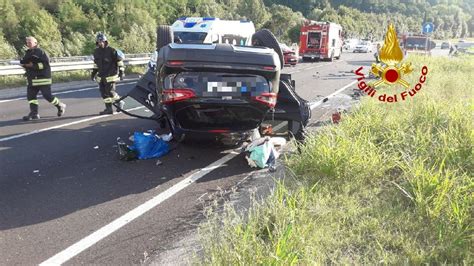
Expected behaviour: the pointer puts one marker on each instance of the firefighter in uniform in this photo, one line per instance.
(38, 75)
(108, 68)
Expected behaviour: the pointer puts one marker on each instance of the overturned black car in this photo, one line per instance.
(213, 91)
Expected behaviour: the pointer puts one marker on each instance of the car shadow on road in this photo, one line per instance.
(64, 171)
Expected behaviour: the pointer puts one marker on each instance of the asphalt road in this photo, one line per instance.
(61, 180)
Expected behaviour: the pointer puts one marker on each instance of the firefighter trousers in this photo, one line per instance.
(32, 96)
(107, 91)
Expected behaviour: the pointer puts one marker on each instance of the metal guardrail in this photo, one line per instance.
(72, 63)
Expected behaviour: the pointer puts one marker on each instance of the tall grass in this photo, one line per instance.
(392, 183)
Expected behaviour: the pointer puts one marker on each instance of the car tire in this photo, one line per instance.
(265, 38)
(164, 36)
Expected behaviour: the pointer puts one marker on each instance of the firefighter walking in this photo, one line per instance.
(38, 75)
(108, 68)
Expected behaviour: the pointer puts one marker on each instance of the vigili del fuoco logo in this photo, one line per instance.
(391, 71)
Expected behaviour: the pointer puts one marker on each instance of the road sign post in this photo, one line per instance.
(427, 28)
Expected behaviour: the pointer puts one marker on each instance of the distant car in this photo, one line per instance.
(350, 44)
(364, 47)
(445, 45)
(289, 55)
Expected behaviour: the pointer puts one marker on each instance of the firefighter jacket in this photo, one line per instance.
(40, 73)
(107, 63)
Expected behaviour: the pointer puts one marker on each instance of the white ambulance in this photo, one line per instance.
(195, 30)
(213, 30)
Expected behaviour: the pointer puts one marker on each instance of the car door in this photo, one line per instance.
(290, 106)
(145, 94)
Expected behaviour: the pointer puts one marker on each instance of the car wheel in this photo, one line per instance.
(164, 36)
(265, 38)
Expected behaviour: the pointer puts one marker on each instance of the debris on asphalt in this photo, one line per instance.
(262, 153)
(254, 135)
(336, 117)
(96, 147)
(125, 152)
(149, 145)
(36, 171)
(166, 137)
(266, 129)
(278, 141)
(146, 145)
(158, 162)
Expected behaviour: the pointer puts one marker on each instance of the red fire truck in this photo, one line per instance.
(320, 40)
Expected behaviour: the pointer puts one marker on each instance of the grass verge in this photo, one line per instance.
(392, 184)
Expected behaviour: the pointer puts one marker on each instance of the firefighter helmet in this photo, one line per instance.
(100, 37)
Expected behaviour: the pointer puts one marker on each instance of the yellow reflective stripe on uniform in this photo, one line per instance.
(95, 66)
(33, 102)
(116, 97)
(120, 63)
(40, 66)
(112, 78)
(55, 101)
(108, 100)
(39, 82)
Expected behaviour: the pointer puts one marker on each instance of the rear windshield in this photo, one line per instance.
(189, 37)
(211, 84)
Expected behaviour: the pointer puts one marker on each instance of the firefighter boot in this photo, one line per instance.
(61, 108)
(33, 115)
(108, 110)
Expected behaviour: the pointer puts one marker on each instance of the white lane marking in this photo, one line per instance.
(64, 92)
(118, 223)
(63, 125)
(316, 104)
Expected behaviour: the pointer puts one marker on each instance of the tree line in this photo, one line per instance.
(68, 27)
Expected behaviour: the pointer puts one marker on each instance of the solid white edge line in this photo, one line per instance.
(118, 223)
(63, 125)
(316, 104)
(65, 92)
